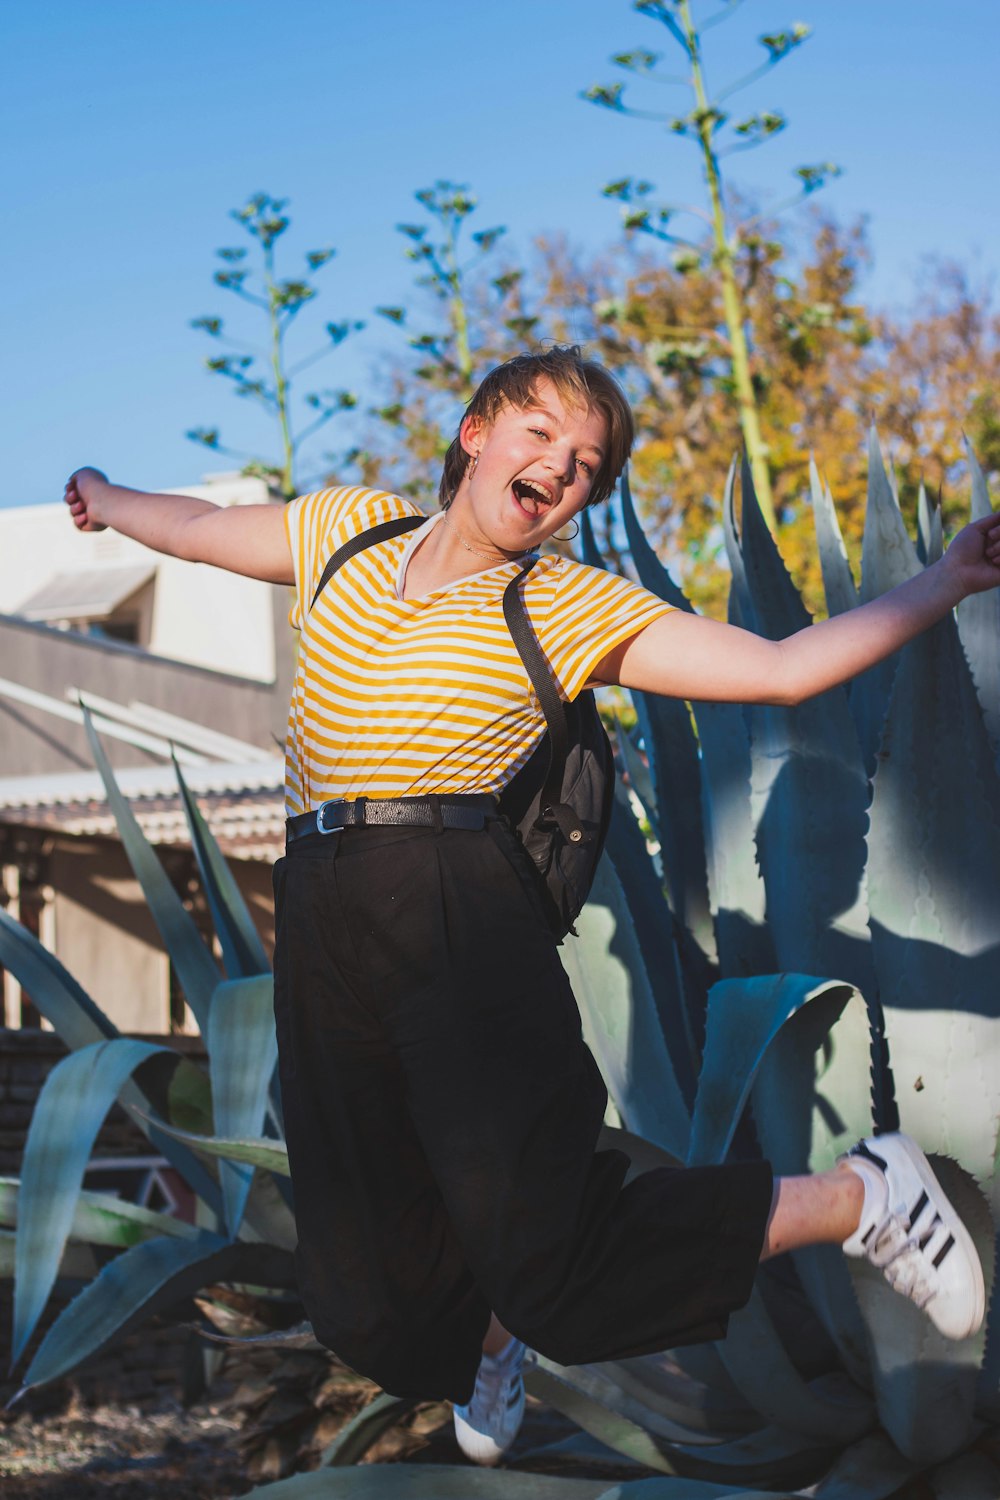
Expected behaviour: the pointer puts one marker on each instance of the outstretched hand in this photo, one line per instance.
(974, 555)
(80, 494)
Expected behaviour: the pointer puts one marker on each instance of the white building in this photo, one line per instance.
(166, 655)
(115, 588)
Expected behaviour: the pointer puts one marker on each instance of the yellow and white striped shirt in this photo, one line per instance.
(399, 698)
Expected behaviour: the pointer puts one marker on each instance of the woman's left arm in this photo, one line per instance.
(686, 656)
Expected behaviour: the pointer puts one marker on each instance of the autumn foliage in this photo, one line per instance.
(824, 367)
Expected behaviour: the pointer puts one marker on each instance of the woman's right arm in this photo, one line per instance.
(247, 539)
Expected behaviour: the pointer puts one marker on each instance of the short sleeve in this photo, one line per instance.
(592, 612)
(317, 524)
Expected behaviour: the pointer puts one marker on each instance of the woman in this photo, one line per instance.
(441, 1109)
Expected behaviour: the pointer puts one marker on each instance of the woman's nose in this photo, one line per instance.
(562, 462)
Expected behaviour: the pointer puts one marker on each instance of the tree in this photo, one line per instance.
(472, 316)
(704, 125)
(939, 372)
(828, 366)
(264, 374)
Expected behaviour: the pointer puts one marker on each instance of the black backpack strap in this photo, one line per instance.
(380, 533)
(552, 706)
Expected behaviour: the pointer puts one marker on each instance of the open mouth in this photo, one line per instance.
(532, 497)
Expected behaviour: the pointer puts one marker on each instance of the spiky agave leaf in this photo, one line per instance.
(620, 1016)
(242, 950)
(809, 793)
(673, 754)
(687, 1387)
(930, 532)
(735, 887)
(979, 621)
(364, 1430)
(640, 780)
(772, 1457)
(838, 580)
(811, 1101)
(652, 574)
(103, 1218)
(243, 1050)
(673, 1408)
(141, 1281)
(888, 558)
(81, 1023)
(437, 1482)
(745, 1018)
(934, 890)
(667, 734)
(589, 549)
(195, 966)
(925, 1384)
(670, 743)
(740, 607)
(77, 1260)
(59, 997)
(577, 1394)
(651, 917)
(871, 1469)
(71, 1108)
(260, 1152)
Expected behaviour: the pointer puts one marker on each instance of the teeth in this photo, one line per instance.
(531, 495)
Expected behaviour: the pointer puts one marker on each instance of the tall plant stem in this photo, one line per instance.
(732, 302)
(280, 379)
(459, 315)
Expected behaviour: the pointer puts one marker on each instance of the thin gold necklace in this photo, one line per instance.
(489, 556)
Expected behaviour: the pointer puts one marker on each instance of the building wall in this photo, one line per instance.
(98, 924)
(200, 615)
(106, 937)
(50, 661)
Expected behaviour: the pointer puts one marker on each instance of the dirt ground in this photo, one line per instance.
(252, 1427)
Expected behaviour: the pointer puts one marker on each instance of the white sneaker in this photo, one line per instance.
(915, 1237)
(489, 1424)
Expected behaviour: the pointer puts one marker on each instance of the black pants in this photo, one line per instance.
(442, 1114)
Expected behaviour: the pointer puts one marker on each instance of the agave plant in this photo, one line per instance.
(809, 951)
(176, 1102)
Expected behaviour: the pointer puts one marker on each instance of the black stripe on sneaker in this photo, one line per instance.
(863, 1149)
(918, 1208)
(944, 1250)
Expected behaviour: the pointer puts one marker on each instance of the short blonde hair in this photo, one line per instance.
(579, 381)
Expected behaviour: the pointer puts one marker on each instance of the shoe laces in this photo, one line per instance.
(900, 1255)
(498, 1384)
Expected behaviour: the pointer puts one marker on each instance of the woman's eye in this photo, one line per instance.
(539, 432)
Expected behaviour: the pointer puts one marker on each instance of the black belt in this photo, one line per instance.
(467, 811)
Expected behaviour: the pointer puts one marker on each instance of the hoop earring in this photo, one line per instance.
(568, 538)
(472, 466)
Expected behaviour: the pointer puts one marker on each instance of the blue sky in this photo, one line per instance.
(131, 128)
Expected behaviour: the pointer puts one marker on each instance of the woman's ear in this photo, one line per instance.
(470, 434)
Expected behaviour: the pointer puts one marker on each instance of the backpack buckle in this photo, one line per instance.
(566, 821)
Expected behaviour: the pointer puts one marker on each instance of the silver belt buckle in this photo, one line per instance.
(319, 820)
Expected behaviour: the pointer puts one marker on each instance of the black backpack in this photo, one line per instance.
(559, 802)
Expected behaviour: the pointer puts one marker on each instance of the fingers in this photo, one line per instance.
(990, 526)
(77, 504)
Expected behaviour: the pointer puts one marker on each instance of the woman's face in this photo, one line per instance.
(536, 467)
